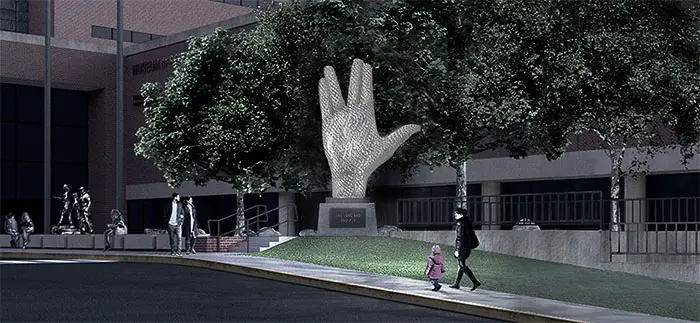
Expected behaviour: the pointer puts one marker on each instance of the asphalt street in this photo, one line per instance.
(128, 292)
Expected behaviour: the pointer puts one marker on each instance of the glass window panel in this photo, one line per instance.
(101, 32)
(69, 108)
(30, 104)
(417, 192)
(22, 6)
(8, 141)
(7, 4)
(30, 142)
(30, 180)
(8, 180)
(7, 100)
(73, 175)
(138, 37)
(69, 145)
(22, 16)
(22, 27)
(8, 25)
(134, 216)
(444, 191)
(7, 14)
(249, 3)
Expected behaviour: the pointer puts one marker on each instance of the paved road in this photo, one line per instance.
(80, 291)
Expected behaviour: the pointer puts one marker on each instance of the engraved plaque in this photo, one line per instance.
(347, 217)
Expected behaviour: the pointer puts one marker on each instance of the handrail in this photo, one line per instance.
(294, 219)
(218, 221)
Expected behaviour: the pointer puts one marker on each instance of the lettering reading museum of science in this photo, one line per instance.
(150, 66)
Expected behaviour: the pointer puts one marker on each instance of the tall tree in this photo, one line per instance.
(623, 71)
(221, 115)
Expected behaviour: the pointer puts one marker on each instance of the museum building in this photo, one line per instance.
(83, 62)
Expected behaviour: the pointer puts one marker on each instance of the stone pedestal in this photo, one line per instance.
(347, 217)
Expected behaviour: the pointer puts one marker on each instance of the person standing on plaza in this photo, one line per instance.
(174, 216)
(190, 224)
(466, 241)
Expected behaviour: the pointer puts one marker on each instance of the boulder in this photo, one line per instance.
(307, 233)
(155, 231)
(202, 233)
(386, 230)
(526, 225)
(268, 232)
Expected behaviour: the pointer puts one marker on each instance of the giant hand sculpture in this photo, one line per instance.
(351, 141)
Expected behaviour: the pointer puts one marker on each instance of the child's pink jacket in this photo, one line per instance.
(435, 267)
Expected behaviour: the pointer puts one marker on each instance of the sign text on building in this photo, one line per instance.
(150, 66)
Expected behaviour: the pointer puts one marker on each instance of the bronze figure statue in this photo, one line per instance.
(12, 229)
(26, 226)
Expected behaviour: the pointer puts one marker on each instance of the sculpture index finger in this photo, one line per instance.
(367, 91)
(324, 102)
(357, 82)
(335, 96)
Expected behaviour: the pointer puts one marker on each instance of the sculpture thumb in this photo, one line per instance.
(392, 142)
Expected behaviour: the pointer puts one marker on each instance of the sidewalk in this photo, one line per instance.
(374, 283)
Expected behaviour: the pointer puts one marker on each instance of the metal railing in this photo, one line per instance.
(563, 209)
(235, 216)
(257, 221)
(655, 226)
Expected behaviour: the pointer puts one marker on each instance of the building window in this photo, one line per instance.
(101, 32)
(14, 15)
(129, 36)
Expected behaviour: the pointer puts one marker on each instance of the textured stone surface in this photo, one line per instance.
(351, 141)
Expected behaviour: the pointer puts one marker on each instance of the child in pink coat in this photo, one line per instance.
(435, 268)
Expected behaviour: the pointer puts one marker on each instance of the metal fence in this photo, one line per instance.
(655, 226)
(545, 209)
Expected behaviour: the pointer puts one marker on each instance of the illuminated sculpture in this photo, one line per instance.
(354, 150)
(351, 141)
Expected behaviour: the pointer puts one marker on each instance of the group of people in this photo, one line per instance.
(22, 230)
(80, 203)
(464, 244)
(181, 217)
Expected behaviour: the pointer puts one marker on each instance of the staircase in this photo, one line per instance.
(258, 244)
(209, 244)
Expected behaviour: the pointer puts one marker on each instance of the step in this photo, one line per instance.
(277, 243)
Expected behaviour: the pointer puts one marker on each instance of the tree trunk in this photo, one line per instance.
(616, 156)
(461, 184)
(240, 215)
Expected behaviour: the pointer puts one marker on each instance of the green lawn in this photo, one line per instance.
(406, 258)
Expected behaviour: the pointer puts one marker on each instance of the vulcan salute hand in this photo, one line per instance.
(351, 141)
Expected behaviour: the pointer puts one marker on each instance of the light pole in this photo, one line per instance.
(47, 120)
(120, 109)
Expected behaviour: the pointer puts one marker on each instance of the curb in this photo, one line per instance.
(486, 311)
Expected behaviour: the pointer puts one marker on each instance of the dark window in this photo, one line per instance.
(8, 180)
(127, 35)
(416, 192)
(134, 216)
(7, 100)
(22, 16)
(249, 3)
(22, 26)
(101, 32)
(7, 4)
(153, 213)
(8, 141)
(73, 175)
(138, 37)
(30, 180)
(69, 108)
(7, 14)
(30, 104)
(69, 145)
(673, 185)
(30, 142)
(8, 25)
(444, 191)
(22, 6)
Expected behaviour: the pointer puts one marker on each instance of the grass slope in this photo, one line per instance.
(503, 273)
